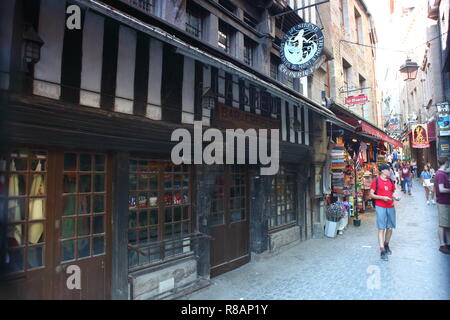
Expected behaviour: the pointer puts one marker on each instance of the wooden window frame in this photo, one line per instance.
(249, 51)
(162, 248)
(279, 201)
(91, 236)
(25, 222)
(194, 14)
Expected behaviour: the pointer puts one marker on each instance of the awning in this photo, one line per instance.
(364, 127)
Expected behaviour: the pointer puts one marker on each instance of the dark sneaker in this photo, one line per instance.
(387, 250)
(384, 256)
(444, 249)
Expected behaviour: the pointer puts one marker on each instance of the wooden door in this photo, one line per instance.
(25, 207)
(229, 220)
(65, 250)
(82, 226)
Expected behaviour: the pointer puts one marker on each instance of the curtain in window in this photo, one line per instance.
(13, 205)
(36, 206)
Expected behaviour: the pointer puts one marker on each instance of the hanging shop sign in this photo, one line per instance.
(394, 124)
(443, 119)
(444, 148)
(420, 136)
(300, 49)
(303, 73)
(362, 98)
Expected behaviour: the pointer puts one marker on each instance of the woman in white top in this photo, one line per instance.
(426, 177)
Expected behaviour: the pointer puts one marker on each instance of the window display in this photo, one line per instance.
(159, 211)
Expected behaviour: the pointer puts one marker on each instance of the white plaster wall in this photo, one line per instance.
(51, 30)
(91, 69)
(154, 80)
(125, 70)
(188, 91)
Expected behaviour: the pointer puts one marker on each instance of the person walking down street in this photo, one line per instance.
(433, 177)
(396, 170)
(426, 176)
(382, 190)
(405, 176)
(395, 156)
(392, 176)
(443, 203)
(414, 173)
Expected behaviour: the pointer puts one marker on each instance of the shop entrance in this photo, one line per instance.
(229, 220)
(58, 224)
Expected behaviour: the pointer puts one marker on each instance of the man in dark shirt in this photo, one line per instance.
(405, 175)
(443, 202)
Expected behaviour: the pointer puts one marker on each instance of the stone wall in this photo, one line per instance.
(154, 283)
(280, 239)
(361, 59)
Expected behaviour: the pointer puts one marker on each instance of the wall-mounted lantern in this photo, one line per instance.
(209, 99)
(32, 45)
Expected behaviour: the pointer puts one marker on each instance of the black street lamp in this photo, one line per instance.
(409, 70)
(32, 45)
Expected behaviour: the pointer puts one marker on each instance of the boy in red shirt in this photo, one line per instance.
(382, 190)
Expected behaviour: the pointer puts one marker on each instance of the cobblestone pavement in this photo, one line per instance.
(346, 267)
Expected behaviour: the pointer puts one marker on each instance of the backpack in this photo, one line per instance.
(376, 189)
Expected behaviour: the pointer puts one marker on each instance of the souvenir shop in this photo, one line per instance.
(353, 164)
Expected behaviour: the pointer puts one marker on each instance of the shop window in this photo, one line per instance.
(282, 200)
(83, 206)
(23, 194)
(229, 196)
(218, 202)
(159, 221)
(238, 192)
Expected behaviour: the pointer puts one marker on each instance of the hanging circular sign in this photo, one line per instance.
(301, 46)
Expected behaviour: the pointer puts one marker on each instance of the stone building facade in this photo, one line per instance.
(348, 23)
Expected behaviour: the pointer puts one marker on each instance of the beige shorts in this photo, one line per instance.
(444, 215)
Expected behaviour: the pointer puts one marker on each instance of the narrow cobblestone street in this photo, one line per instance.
(339, 268)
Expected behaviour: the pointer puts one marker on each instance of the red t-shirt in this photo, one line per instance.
(442, 178)
(386, 189)
(405, 171)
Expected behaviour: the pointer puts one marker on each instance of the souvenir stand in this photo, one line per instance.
(342, 188)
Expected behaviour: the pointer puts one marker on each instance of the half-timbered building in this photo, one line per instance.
(87, 186)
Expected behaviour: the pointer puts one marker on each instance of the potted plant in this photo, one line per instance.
(356, 220)
(334, 214)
